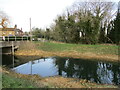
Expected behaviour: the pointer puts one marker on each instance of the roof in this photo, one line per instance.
(11, 29)
(7, 29)
(18, 30)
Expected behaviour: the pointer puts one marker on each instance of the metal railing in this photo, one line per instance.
(14, 38)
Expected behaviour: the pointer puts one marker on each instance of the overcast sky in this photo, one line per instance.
(42, 12)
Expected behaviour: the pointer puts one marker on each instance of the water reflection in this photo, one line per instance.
(43, 67)
(95, 71)
(100, 72)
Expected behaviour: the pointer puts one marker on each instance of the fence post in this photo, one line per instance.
(13, 52)
(8, 38)
(15, 38)
(22, 38)
(27, 38)
(13, 47)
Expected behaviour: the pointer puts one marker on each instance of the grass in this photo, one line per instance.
(46, 49)
(11, 79)
(106, 52)
(80, 48)
(12, 82)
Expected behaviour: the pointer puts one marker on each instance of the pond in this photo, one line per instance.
(93, 70)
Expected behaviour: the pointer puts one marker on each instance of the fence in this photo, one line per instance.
(14, 38)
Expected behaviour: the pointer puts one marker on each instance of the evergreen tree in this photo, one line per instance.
(115, 30)
(117, 26)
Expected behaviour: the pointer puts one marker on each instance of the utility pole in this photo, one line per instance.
(30, 31)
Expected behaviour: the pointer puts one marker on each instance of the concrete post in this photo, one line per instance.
(13, 52)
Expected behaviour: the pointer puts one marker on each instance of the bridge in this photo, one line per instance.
(9, 44)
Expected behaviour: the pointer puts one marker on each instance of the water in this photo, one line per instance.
(95, 71)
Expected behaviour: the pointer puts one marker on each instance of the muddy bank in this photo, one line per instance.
(74, 54)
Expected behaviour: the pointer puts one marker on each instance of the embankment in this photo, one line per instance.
(46, 49)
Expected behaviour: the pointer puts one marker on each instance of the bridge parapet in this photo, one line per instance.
(9, 44)
(14, 38)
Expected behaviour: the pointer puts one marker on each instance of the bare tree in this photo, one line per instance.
(4, 20)
(97, 13)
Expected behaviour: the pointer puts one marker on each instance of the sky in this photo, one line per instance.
(41, 12)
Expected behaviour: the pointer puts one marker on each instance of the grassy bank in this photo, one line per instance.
(13, 80)
(80, 48)
(45, 49)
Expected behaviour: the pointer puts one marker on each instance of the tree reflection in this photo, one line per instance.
(116, 74)
(99, 72)
(60, 64)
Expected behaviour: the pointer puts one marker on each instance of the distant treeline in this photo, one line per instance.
(85, 22)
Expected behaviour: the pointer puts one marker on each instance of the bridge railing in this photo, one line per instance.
(14, 38)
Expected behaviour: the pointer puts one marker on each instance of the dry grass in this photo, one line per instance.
(29, 49)
(61, 82)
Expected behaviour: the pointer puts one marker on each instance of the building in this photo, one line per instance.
(7, 32)
(11, 31)
(18, 32)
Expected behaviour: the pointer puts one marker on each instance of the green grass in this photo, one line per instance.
(47, 46)
(12, 82)
(59, 47)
